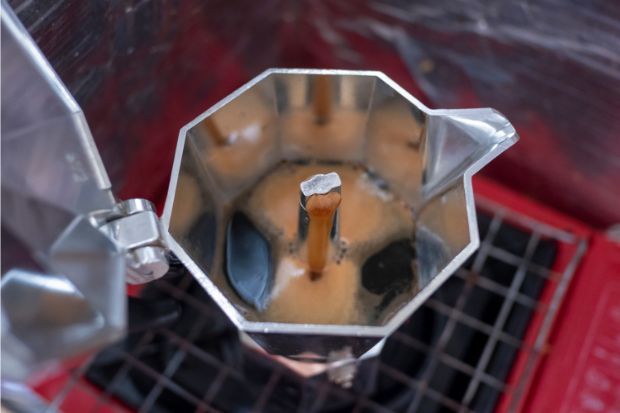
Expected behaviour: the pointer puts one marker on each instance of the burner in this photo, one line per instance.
(186, 356)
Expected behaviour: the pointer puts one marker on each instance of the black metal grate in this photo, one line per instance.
(452, 355)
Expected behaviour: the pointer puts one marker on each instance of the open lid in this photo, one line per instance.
(63, 280)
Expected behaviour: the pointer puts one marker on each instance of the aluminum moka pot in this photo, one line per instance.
(74, 245)
(425, 157)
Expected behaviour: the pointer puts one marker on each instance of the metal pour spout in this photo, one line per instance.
(318, 218)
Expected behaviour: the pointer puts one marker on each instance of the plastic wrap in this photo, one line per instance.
(141, 70)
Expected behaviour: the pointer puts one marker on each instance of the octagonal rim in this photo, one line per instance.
(328, 329)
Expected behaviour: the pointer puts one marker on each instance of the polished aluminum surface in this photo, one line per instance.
(135, 226)
(427, 158)
(47, 148)
(63, 282)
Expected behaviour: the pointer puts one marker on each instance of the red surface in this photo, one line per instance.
(82, 397)
(580, 369)
(581, 372)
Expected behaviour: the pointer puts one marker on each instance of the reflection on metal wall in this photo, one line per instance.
(143, 69)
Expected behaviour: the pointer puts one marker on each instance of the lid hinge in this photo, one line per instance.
(135, 226)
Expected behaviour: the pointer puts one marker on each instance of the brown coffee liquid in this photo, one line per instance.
(371, 221)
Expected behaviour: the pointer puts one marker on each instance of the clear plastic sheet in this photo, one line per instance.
(142, 69)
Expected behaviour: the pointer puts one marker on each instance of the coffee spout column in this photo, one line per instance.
(320, 196)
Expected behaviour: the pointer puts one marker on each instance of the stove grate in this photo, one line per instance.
(454, 354)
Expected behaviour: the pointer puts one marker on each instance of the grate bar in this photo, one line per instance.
(200, 353)
(105, 396)
(170, 369)
(415, 384)
(169, 384)
(475, 324)
(451, 323)
(510, 258)
(501, 319)
(449, 360)
(499, 289)
(75, 376)
(543, 229)
(541, 339)
(215, 386)
(267, 390)
(320, 398)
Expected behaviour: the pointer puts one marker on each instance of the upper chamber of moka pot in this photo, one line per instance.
(355, 123)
